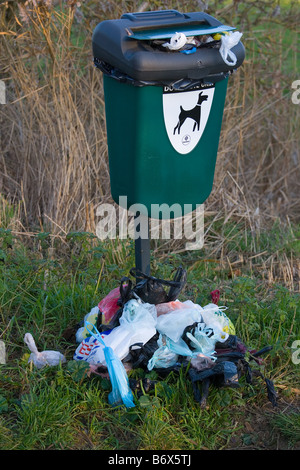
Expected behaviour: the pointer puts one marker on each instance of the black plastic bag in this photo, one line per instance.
(223, 374)
(151, 289)
(230, 365)
(142, 386)
(140, 354)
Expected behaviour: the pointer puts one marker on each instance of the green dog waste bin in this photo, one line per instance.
(164, 105)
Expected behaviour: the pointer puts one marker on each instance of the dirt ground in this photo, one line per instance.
(259, 432)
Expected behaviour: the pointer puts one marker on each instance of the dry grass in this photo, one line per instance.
(53, 157)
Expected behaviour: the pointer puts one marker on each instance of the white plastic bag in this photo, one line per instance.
(41, 359)
(180, 348)
(168, 307)
(173, 324)
(137, 325)
(135, 311)
(215, 317)
(204, 339)
(177, 41)
(228, 41)
(183, 314)
(85, 348)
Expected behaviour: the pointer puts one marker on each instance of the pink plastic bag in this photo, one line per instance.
(109, 305)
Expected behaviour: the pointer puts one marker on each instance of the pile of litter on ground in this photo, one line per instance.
(144, 325)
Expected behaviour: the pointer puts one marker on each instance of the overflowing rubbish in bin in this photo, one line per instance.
(165, 76)
(153, 330)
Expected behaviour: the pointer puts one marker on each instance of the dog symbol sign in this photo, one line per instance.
(185, 115)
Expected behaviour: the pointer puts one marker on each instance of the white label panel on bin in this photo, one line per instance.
(185, 115)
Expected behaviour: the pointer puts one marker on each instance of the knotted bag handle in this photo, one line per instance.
(137, 273)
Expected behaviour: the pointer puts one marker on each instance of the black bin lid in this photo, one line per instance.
(129, 45)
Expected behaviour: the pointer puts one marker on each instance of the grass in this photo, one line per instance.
(47, 288)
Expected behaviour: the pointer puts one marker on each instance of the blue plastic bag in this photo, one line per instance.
(167, 353)
(120, 385)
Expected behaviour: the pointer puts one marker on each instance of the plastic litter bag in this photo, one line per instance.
(203, 339)
(109, 305)
(202, 362)
(140, 354)
(180, 347)
(119, 381)
(85, 348)
(41, 359)
(168, 352)
(168, 307)
(173, 324)
(135, 311)
(151, 289)
(163, 357)
(224, 373)
(228, 41)
(92, 317)
(120, 386)
(216, 317)
(177, 41)
(215, 296)
(137, 325)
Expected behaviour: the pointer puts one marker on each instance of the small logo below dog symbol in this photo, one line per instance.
(186, 139)
(194, 114)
